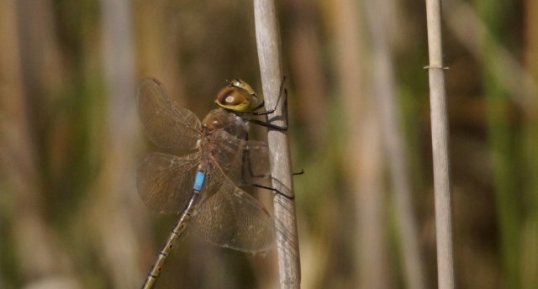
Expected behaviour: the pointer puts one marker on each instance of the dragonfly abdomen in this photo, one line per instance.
(177, 232)
(199, 181)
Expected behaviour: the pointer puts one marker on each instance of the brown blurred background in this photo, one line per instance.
(70, 140)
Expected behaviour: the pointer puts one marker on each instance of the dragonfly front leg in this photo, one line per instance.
(282, 94)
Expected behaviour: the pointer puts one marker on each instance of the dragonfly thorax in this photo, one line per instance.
(223, 133)
(221, 119)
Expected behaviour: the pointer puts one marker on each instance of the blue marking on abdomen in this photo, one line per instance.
(199, 180)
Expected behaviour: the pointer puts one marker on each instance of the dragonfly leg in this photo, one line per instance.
(248, 180)
(276, 191)
(247, 166)
(270, 125)
(247, 171)
(247, 163)
(282, 94)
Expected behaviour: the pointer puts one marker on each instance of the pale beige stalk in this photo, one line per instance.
(439, 126)
(268, 43)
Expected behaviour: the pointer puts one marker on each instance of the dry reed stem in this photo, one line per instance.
(26, 30)
(116, 183)
(268, 45)
(364, 162)
(385, 94)
(439, 126)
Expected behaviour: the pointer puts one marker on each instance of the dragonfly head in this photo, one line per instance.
(238, 96)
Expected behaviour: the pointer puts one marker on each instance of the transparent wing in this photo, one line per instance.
(165, 181)
(226, 150)
(232, 218)
(241, 160)
(253, 169)
(256, 160)
(251, 165)
(167, 125)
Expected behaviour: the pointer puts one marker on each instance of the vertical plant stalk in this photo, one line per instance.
(439, 126)
(268, 44)
(116, 181)
(364, 165)
(28, 70)
(385, 92)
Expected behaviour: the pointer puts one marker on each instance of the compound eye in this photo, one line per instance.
(230, 99)
(233, 98)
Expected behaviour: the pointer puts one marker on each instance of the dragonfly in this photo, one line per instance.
(198, 176)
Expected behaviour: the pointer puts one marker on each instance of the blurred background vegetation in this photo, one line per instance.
(70, 139)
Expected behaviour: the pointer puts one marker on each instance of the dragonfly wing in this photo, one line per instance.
(165, 181)
(252, 164)
(232, 218)
(257, 159)
(166, 124)
(244, 162)
(226, 151)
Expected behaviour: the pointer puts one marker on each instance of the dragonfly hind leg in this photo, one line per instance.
(269, 188)
(248, 176)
